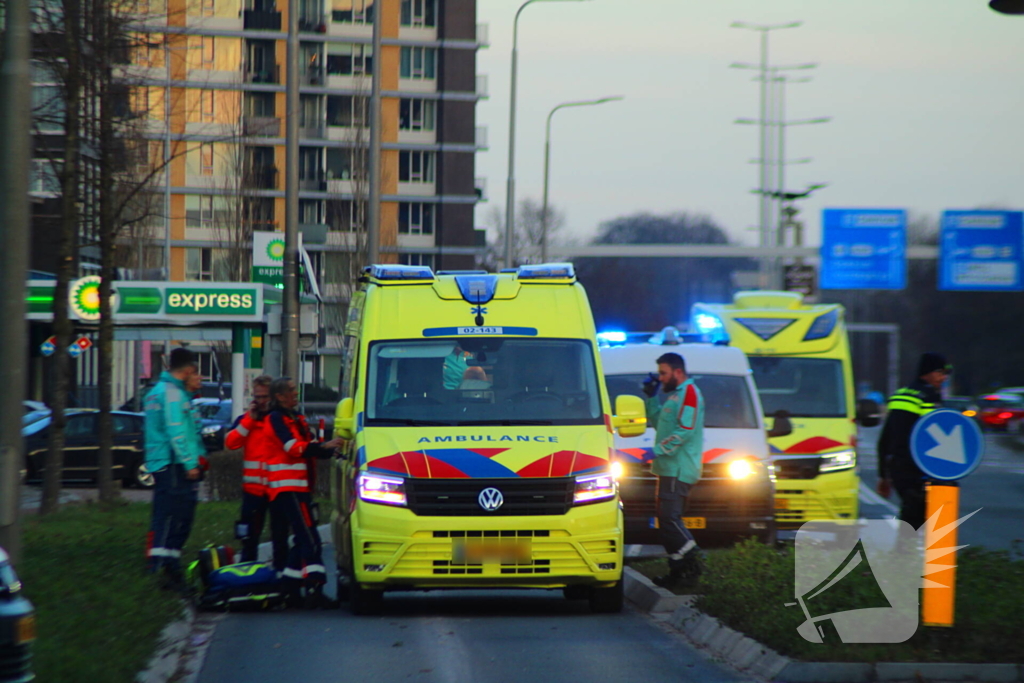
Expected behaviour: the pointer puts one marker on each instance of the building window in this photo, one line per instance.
(345, 215)
(416, 167)
(418, 63)
(198, 211)
(348, 111)
(416, 260)
(206, 98)
(415, 218)
(208, 8)
(206, 264)
(208, 51)
(44, 179)
(416, 115)
(311, 211)
(206, 159)
(419, 13)
(352, 11)
(347, 59)
(48, 108)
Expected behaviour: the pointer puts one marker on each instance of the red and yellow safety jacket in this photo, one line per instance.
(290, 454)
(251, 435)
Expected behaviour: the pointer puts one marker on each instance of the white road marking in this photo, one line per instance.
(869, 496)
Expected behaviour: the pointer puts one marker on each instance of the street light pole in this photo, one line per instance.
(290, 312)
(510, 185)
(764, 182)
(547, 165)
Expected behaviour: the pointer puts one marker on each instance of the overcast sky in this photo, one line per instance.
(927, 100)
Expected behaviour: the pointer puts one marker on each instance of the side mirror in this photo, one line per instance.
(630, 417)
(781, 426)
(344, 421)
(868, 413)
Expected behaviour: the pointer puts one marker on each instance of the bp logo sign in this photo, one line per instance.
(275, 250)
(84, 298)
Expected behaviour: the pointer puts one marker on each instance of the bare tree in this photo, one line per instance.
(528, 230)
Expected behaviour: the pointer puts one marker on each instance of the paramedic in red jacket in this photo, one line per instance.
(291, 470)
(248, 433)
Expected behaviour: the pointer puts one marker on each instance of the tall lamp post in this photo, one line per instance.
(765, 141)
(547, 165)
(510, 189)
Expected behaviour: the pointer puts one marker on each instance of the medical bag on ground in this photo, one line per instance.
(238, 586)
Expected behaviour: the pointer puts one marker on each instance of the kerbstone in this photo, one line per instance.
(833, 672)
(983, 673)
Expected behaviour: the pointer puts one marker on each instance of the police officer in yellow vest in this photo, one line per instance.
(896, 467)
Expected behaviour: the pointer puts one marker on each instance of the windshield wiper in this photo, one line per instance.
(504, 423)
(408, 422)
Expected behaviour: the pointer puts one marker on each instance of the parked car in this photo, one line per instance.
(34, 406)
(81, 448)
(214, 390)
(215, 421)
(1001, 412)
(17, 625)
(965, 404)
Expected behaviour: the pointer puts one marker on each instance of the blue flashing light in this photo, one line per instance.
(822, 326)
(397, 272)
(708, 323)
(612, 337)
(477, 288)
(547, 271)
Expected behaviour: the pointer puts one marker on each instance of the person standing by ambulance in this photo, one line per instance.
(678, 455)
(896, 467)
(291, 454)
(173, 451)
(248, 433)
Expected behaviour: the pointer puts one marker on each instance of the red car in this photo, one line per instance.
(1001, 412)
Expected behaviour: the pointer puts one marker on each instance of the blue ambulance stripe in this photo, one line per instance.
(470, 463)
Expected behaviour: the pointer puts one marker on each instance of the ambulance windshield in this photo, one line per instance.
(483, 380)
(805, 387)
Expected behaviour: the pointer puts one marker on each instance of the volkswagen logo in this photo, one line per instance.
(490, 499)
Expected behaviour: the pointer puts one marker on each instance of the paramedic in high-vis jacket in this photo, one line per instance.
(678, 452)
(173, 450)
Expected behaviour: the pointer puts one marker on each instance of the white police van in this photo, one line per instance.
(735, 496)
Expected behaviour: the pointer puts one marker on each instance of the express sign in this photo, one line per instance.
(210, 301)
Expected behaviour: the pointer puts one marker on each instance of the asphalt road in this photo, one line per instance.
(454, 637)
(996, 488)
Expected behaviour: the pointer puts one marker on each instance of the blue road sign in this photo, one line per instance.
(863, 249)
(74, 350)
(47, 348)
(981, 250)
(946, 444)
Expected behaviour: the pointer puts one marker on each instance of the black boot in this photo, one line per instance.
(315, 599)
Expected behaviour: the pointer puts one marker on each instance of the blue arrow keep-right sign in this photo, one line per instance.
(947, 445)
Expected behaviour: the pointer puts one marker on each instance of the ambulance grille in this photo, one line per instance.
(797, 468)
(459, 497)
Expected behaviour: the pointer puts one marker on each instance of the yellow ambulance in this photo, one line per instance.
(800, 357)
(480, 438)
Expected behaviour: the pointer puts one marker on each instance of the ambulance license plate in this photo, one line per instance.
(782, 503)
(695, 522)
(486, 551)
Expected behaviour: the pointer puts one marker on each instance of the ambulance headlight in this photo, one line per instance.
(594, 487)
(374, 488)
(833, 462)
(617, 470)
(741, 469)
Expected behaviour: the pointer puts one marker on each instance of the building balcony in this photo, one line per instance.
(313, 76)
(480, 137)
(268, 75)
(261, 20)
(264, 177)
(481, 86)
(483, 35)
(480, 185)
(316, 131)
(313, 24)
(313, 183)
(267, 126)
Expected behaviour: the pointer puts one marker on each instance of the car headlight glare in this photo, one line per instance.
(374, 488)
(210, 430)
(833, 462)
(740, 469)
(594, 487)
(617, 470)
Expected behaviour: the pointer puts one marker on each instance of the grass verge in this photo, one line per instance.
(747, 586)
(98, 613)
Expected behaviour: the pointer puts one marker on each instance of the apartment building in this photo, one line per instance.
(216, 69)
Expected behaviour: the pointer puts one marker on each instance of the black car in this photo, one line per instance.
(214, 420)
(81, 447)
(17, 626)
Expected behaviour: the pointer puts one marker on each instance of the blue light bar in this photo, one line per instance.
(547, 271)
(396, 272)
(822, 326)
(612, 337)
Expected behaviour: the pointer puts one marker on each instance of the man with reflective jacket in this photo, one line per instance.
(291, 462)
(248, 433)
(173, 451)
(896, 466)
(678, 454)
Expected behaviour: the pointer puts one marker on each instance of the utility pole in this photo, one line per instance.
(290, 313)
(373, 213)
(15, 153)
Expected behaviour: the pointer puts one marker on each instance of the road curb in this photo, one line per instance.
(170, 646)
(751, 657)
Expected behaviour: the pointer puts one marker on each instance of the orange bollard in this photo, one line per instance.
(939, 597)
